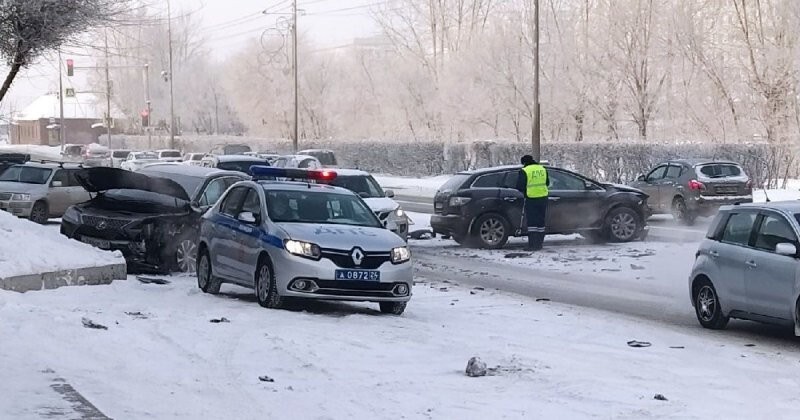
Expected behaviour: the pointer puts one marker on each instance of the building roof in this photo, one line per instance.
(82, 106)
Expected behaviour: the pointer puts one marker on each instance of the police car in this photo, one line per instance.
(288, 239)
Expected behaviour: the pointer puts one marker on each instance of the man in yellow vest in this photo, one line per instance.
(532, 182)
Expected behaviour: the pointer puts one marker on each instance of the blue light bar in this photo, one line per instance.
(271, 172)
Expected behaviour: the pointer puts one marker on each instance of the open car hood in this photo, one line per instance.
(103, 179)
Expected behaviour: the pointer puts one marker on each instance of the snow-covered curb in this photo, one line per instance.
(73, 277)
(27, 249)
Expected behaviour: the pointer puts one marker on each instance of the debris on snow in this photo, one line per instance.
(543, 299)
(219, 320)
(137, 315)
(677, 347)
(476, 368)
(265, 378)
(517, 255)
(479, 288)
(421, 234)
(638, 344)
(88, 323)
(749, 345)
(637, 267)
(660, 397)
(152, 280)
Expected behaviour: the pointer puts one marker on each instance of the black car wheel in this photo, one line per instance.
(266, 288)
(205, 277)
(186, 254)
(393, 308)
(623, 224)
(681, 212)
(707, 307)
(491, 231)
(39, 213)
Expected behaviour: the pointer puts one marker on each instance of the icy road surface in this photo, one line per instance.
(161, 357)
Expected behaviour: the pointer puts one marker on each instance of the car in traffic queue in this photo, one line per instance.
(194, 159)
(268, 156)
(241, 163)
(326, 158)
(483, 208)
(230, 149)
(138, 160)
(692, 188)
(169, 155)
(152, 216)
(40, 190)
(118, 156)
(381, 202)
(8, 160)
(289, 239)
(96, 155)
(297, 161)
(748, 266)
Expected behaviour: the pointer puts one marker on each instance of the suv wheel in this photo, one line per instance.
(491, 231)
(393, 308)
(707, 307)
(205, 277)
(39, 213)
(681, 213)
(266, 288)
(622, 224)
(186, 254)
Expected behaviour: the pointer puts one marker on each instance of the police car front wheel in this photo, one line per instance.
(393, 308)
(266, 288)
(205, 279)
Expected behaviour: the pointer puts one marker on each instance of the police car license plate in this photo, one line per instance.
(362, 275)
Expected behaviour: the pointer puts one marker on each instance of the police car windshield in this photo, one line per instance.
(319, 207)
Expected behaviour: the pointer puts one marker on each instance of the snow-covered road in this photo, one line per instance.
(161, 357)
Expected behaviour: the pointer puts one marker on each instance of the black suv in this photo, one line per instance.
(483, 208)
(8, 160)
(152, 216)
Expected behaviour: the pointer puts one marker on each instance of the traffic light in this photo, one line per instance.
(70, 67)
(145, 118)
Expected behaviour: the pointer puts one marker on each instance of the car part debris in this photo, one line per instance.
(88, 323)
(475, 368)
(638, 344)
(153, 280)
(265, 378)
(660, 397)
(219, 320)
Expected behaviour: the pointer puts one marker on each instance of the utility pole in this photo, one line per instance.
(147, 105)
(108, 93)
(171, 77)
(61, 135)
(536, 141)
(296, 130)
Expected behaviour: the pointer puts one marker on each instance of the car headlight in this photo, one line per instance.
(20, 197)
(72, 215)
(399, 212)
(459, 201)
(303, 249)
(400, 254)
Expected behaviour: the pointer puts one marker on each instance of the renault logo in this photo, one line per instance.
(357, 255)
(101, 225)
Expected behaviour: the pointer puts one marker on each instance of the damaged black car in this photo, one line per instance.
(151, 216)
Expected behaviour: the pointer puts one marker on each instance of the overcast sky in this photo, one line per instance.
(226, 25)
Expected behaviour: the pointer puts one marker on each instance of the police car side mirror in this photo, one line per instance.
(389, 193)
(248, 217)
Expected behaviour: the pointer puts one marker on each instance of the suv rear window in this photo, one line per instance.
(455, 182)
(720, 170)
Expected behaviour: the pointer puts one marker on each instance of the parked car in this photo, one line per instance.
(151, 216)
(269, 156)
(40, 191)
(388, 211)
(688, 188)
(169, 155)
(195, 159)
(8, 160)
(325, 157)
(138, 160)
(230, 149)
(118, 156)
(96, 155)
(297, 161)
(748, 265)
(484, 208)
(301, 240)
(241, 163)
(72, 152)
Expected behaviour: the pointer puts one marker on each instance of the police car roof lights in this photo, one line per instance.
(260, 172)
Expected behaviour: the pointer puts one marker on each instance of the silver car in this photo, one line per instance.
(302, 240)
(40, 191)
(747, 267)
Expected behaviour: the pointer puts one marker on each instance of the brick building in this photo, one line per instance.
(38, 123)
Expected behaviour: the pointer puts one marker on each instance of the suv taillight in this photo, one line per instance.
(749, 184)
(696, 185)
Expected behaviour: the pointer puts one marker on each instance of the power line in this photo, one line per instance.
(347, 9)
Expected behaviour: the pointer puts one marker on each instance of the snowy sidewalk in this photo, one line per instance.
(161, 358)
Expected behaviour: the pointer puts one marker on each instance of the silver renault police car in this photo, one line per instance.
(290, 239)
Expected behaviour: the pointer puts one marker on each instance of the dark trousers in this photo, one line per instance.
(536, 214)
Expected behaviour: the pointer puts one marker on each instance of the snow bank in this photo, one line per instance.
(776, 195)
(412, 187)
(162, 358)
(37, 152)
(29, 248)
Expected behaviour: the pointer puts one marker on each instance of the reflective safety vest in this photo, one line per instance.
(537, 181)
